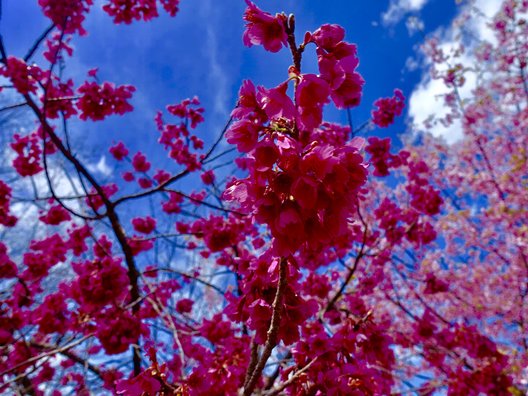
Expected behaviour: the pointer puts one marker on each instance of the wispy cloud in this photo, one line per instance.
(398, 9)
(217, 79)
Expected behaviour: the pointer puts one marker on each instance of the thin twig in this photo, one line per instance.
(273, 331)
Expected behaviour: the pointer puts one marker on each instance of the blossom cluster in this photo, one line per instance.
(295, 274)
(6, 218)
(387, 109)
(99, 101)
(23, 76)
(177, 138)
(127, 11)
(303, 189)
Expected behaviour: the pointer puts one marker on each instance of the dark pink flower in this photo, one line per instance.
(6, 219)
(99, 101)
(276, 103)
(28, 159)
(144, 182)
(119, 151)
(161, 176)
(58, 100)
(140, 163)
(247, 103)
(55, 215)
(68, 15)
(327, 36)
(126, 11)
(311, 95)
(244, 134)
(145, 225)
(381, 158)
(8, 268)
(208, 177)
(23, 76)
(185, 305)
(117, 330)
(128, 176)
(173, 204)
(264, 29)
(349, 92)
(387, 109)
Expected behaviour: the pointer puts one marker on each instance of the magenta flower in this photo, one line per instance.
(276, 103)
(387, 109)
(328, 35)
(311, 95)
(264, 29)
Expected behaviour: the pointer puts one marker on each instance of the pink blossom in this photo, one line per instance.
(56, 46)
(55, 215)
(264, 29)
(6, 218)
(173, 204)
(247, 103)
(140, 163)
(99, 101)
(349, 92)
(276, 103)
(59, 100)
(208, 177)
(387, 109)
(161, 176)
(23, 76)
(117, 330)
(328, 36)
(311, 95)
(67, 14)
(188, 108)
(119, 151)
(184, 305)
(128, 176)
(95, 201)
(244, 134)
(8, 268)
(145, 225)
(143, 384)
(126, 11)
(28, 159)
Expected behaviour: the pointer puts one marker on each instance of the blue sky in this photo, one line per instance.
(200, 52)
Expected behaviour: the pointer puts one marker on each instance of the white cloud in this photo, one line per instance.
(427, 98)
(414, 24)
(411, 64)
(101, 167)
(399, 8)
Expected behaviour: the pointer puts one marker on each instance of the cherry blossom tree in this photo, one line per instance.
(324, 264)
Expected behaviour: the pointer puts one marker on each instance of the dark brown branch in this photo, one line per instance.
(46, 354)
(12, 107)
(185, 275)
(204, 203)
(162, 186)
(296, 52)
(273, 331)
(119, 232)
(72, 356)
(273, 377)
(291, 380)
(252, 362)
(37, 43)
